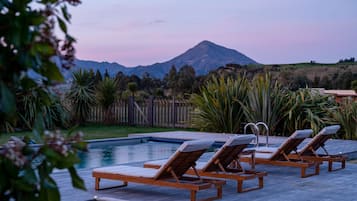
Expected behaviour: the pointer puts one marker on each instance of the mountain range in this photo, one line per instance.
(204, 57)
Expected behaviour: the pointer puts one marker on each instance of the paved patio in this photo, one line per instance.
(282, 183)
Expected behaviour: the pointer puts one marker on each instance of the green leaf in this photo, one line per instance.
(7, 100)
(77, 182)
(49, 190)
(62, 25)
(38, 126)
(68, 161)
(65, 13)
(52, 72)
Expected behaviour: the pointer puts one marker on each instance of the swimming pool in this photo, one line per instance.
(107, 154)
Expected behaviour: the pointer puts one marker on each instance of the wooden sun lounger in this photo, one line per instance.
(170, 174)
(280, 156)
(309, 152)
(220, 165)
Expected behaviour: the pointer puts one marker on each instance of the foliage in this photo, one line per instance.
(346, 115)
(81, 95)
(26, 172)
(185, 79)
(218, 105)
(171, 80)
(29, 50)
(30, 102)
(308, 110)
(267, 102)
(132, 87)
(354, 85)
(106, 95)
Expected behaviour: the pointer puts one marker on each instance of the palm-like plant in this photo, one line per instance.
(33, 102)
(308, 110)
(107, 94)
(81, 95)
(218, 105)
(346, 115)
(267, 102)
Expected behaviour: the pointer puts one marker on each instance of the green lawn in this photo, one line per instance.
(98, 132)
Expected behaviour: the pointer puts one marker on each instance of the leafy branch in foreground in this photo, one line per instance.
(26, 171)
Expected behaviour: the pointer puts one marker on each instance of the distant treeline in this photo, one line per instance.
(184, 81)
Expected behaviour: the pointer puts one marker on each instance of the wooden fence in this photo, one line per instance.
(151, 112)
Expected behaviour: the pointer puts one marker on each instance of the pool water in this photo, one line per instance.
(107, 155)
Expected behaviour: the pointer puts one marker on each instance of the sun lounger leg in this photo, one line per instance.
(239, 186)
(219, 191)
(97, 180)
(261, 182)
(330, 165)
(317, 171)
(193, 195)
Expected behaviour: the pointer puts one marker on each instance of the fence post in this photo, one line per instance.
(150, 117)
(173, 110)
(131, 111)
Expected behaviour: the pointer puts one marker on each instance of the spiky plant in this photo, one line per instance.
(267, 102)
(81, 95)
(218, 105)
(346, 115)
(107, 95)
(308, 110)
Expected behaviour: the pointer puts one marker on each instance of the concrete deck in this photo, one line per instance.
(281, 184)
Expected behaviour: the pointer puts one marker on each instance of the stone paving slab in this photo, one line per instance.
(281, 184)
(333, 146)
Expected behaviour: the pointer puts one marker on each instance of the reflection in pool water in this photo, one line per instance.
(114, 155)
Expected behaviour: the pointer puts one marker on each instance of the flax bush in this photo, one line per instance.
(218, 106)
(346, 116)
(267, 102)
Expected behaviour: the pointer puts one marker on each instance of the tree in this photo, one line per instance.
(185, 79)
(97, 77)
(81, 95)
(132, 87)
(106, 74)
(29, 46)
(171, 79)
(106, 96)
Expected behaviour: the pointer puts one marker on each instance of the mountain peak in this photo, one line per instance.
(206, 43)
(204, 57)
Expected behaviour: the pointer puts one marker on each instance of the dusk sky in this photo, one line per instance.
(142, 32)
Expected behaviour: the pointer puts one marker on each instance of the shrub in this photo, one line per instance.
(308, 110)
(81, 95)
(218, 106)
(346, 115)
(267, 102)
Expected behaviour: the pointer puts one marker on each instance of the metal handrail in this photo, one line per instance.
(255, 131)
(267, 131)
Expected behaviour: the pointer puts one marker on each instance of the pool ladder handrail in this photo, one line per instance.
(255, 130)
(266, 129)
